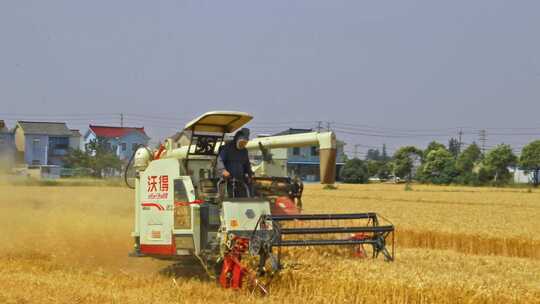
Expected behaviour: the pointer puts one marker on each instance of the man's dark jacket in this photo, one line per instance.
(234, 160)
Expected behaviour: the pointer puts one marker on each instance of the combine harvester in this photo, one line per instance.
(182, 209)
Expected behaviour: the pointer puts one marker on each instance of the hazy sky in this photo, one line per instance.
(380, 71)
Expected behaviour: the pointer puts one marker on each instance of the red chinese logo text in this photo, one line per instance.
(155, 182)
(164, 183)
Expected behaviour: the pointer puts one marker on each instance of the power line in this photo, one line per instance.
(54, 115)
(371, 127)
(382, 135)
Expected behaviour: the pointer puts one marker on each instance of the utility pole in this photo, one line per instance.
(328, 126)
(356, 151)
(121, 120)
(460, 134)
(482, 137)
(319, 126)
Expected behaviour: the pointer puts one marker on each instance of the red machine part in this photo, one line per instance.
(358, 250)
(195, 202)
(232, 271)
(157, 154)
(162, 250)
(284, 205)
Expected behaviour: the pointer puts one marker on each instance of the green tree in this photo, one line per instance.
(377, 163)
(373, 154)
(378, 168)
(345, 158)
(495, 164)
(466, 163)
(77, 159)
(101, 157)
(355, 171)
(432, 146)
(530, 160)
(468, 158)
(439, 167)
(373, 167)
(404, 161)
(384, 170)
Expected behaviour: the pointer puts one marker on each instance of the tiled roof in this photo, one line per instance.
(46, 128)
(111, 132)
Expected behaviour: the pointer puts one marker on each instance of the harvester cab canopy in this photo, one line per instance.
(218, 122)
(208, 132)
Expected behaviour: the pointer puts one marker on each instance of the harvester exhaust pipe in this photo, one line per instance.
(326, 141)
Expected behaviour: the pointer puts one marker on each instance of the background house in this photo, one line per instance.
(120, 140)
(521, 176)
(42, 143)
(7, 149)
(179, 139)
(75, 142)
(303, 161)
(6, 137)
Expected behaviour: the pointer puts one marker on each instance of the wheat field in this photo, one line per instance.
(454, 245)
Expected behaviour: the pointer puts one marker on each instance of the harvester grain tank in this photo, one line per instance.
(182, 208)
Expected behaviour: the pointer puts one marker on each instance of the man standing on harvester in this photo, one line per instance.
(234, 165)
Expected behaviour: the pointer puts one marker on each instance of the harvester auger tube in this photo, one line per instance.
(274, 231)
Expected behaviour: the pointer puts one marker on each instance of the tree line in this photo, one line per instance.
(97, 159)
(437, 164)
(445, 164)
